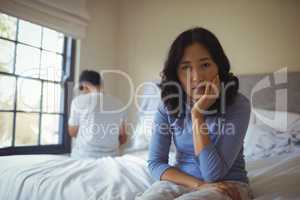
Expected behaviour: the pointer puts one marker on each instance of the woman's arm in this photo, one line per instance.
(159, 154)
(200, 133)
(216, 160)
(181, 178)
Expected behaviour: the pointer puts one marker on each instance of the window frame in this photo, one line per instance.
(68, 65)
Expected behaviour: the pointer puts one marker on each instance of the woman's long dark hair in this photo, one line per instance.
(176, 52)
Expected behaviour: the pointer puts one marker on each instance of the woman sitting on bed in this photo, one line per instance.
(206, 117)
(95, 122)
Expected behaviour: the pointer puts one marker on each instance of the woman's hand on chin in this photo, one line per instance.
(211, 93)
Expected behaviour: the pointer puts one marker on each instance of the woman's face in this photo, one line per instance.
(195, 68)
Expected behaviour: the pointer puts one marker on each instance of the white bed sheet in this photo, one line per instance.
(276, 177)
(58, 177)
(49, 177)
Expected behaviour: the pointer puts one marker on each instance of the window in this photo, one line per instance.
(35, 66)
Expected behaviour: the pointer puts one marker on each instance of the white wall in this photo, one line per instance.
(98, 50)
(134, 35)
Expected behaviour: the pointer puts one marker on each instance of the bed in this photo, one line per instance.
(60, 177)
(51, 177)
(273, 164)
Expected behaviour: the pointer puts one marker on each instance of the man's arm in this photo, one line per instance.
(73, 130)
(122, 133)
(73, 120)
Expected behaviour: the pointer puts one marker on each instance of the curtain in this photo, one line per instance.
(67, 16)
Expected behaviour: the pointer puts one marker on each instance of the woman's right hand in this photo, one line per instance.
(225, 188)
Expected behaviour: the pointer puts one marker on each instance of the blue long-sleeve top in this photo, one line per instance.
(222, 159)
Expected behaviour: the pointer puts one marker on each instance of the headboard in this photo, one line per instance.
(272, 83)
(262, 98)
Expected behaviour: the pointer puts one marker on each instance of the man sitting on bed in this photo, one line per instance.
(95, 121)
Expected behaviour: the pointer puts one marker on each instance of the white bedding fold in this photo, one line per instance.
(275, 178)
(48, 177)
(57, 177)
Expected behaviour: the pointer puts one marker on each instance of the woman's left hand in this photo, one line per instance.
(211, 93)
(225, 188)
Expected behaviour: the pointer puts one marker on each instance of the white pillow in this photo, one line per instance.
(271, 133)
(142, 133)
(263, 141)
(279, 120)
(150, 101)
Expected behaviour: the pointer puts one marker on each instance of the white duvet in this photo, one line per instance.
(50, 177)
(276, 178)
(41, 177)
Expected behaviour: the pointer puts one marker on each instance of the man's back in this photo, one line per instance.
(99, 117)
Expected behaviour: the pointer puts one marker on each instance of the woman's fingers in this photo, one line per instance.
(209, 96)
(235, 190)
(231, 190)
(207, 88)
(222, 191)
(212, 87)
(226, 190)
(217, 187)
(216, 85)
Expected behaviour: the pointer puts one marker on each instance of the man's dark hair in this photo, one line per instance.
(91, 77)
